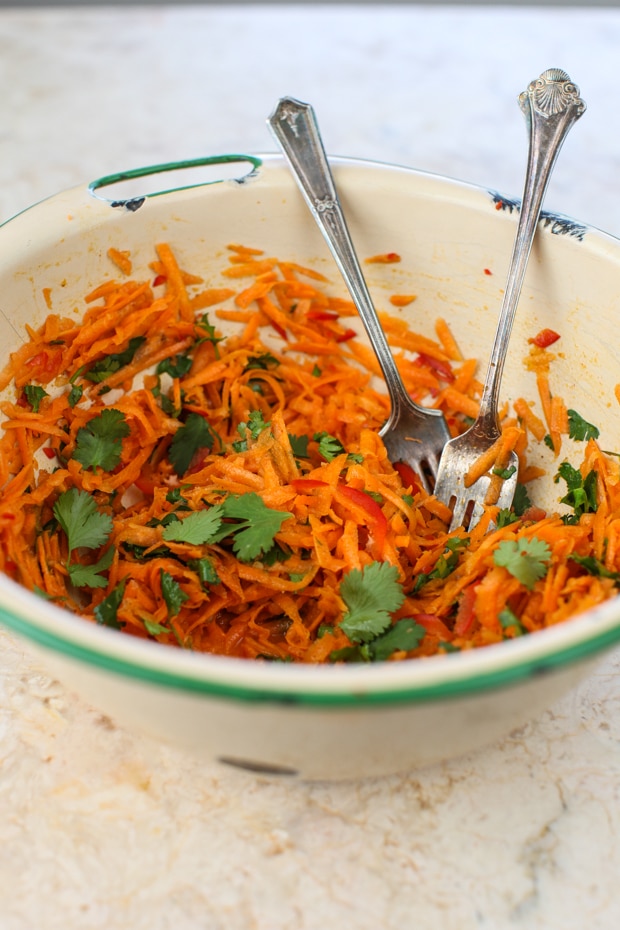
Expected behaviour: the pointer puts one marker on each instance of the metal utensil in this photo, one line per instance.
(551, 104)
(412, 433)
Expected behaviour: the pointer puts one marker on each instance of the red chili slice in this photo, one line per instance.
(442, 368)
(346, 335)
(408, 476)
(465, 615)
(307, 484)
(545, 338)
(372, 510)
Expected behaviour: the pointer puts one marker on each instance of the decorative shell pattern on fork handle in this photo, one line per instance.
(551, 104)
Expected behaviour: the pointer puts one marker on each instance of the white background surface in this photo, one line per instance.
(100, 829)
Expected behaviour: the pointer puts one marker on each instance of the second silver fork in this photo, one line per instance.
(551, 104)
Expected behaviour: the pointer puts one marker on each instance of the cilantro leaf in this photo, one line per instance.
(261, 362)
(521, 501)
(153, 628)
(34, 395)
(84, 526)
(581, 492)
(206, 571)
(509, 621)
(175, 367)
(195, 434)
(172, 592)
(201, 526)
(370, 595)
(75, 395)
(111, 363)
(405, 634)
(329, 446)
(505, 472)
(580, 429)
(594, 567)
(83, 576)
(98, 444)
(257, 527)
(525, 559)
(209, 329)
(254, 426)
(445, 564)
(106, 611)
(299, 445)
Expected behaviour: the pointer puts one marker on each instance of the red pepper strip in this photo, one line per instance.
(346, 335)
(432, 624)
(442, 368)
(465, 615)
(408, 476)
(307, 484)
(322, 315)
(159, 279)
(49, 452)
(282, 333)
(372, 509)
(545, 338)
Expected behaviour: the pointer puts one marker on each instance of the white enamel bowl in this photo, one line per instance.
(338, 721)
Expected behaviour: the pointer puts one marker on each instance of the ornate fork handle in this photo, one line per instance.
(294, 125)
(551, 104)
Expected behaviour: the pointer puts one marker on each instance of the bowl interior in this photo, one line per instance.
(454, 241)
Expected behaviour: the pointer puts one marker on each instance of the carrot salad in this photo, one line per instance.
(233, 495)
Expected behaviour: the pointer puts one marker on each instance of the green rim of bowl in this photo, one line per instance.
(519, 671)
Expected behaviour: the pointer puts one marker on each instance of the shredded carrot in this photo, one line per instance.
(287, 409)
(402, 300)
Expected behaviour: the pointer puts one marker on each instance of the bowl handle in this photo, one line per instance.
(214, 174)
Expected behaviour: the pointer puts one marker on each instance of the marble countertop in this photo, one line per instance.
(103, 829)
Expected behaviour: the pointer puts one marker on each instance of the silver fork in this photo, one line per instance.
(412, 433)
(551, 104)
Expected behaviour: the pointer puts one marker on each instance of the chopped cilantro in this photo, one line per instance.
(445, 564)
(580, 429)
(505, 472)
(176, 367)
(594, 567)
(200, 527)
(261, 362)
(521, 501)
(206, 326)
(111, 363)
(370, 595)
(172, 592)
(254, 426)
(406, 634)
(106, 611)
(206, 571)
(34, 395)
(84, 525)
(153, 628)
(329, 446)
(548, 441)
(98, 444)
(316, 372)
(510, 621)
(75, 395)
(299, 445)
(581, 492)
(525, 559)
(195, 434)
(258, 524)
(89, 575)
